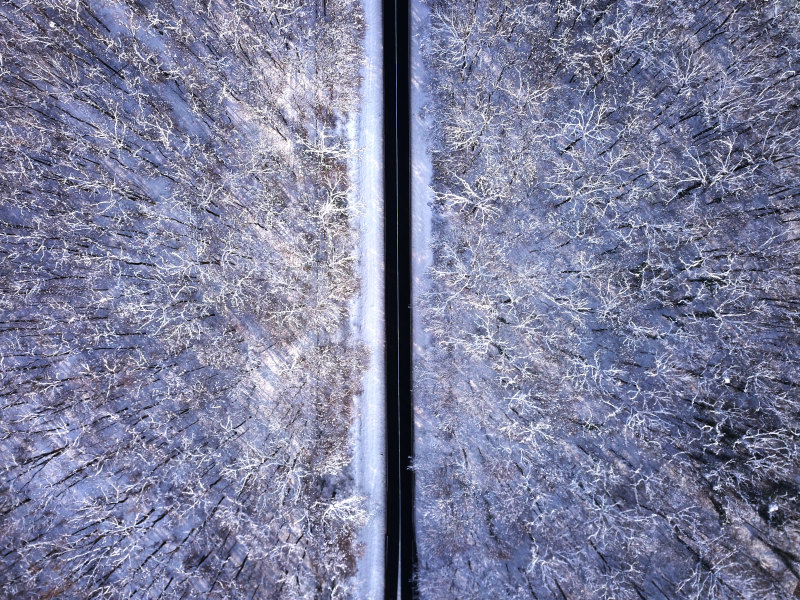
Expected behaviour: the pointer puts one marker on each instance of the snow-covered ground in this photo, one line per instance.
(421, 218)
(421, 173)
(367, 322)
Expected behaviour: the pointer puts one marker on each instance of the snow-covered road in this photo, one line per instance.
(366, 321)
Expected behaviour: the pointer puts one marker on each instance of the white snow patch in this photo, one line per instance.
(421, 210)
(421, 173)
(365, 132)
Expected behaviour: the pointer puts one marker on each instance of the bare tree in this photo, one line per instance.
(609, 407)
(175, 263)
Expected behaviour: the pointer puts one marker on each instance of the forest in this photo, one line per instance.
(608, 407)
(176, 262)
(605, 284)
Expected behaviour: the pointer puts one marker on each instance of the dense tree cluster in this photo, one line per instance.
(176, 261)
(610, 405)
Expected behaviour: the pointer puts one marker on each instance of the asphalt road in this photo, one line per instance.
(401, 546)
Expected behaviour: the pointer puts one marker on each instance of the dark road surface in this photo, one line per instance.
(400, 539)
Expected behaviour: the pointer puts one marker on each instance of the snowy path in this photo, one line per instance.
(366, 321)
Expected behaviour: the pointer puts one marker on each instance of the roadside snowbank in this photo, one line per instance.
(367, 320)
